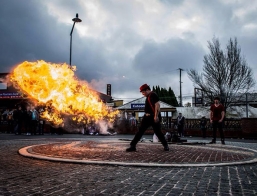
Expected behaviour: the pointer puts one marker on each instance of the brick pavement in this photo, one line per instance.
(24, 176)
(151, 154)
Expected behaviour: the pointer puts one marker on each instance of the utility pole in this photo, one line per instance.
(246, 101)
(180, 88)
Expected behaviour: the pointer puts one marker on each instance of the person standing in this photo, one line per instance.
(41, 124)
(217, 115)
(27, 120)
(203, 123)
(152, 117)
(180, 124)
(34, 120)
(8, 117)
(18, 119)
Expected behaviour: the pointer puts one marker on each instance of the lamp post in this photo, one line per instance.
(74, 20)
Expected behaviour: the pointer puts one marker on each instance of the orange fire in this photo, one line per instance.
(55, 86)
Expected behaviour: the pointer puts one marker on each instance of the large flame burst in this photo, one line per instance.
(55, 86)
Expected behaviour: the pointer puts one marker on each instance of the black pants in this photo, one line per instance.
(181, 130)
(148, 121)
(10, 126)
(203, 132)
(41, 127)
(17, 127)
(34, 126)
(27, 126)
(217, 125)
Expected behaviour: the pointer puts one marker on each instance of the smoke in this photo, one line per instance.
(104, 126)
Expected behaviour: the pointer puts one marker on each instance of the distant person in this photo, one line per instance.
(1, 116)
(41, 123)
(8, 117)
(4, 114)
(18, 120)
(180, 124)
(203, 123)
(34, 120)
(152, 118)
(27, 120)
(217, 115)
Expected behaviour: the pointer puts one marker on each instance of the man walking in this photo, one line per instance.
(152, 118)
(217, 115)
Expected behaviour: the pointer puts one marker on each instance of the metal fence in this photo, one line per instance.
(228, 124)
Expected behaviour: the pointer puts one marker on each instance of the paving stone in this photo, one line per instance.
(25, 176)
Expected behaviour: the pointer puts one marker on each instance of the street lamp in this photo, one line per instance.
(74, 20)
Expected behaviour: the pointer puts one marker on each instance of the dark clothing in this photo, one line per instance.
(18, 119)
(150, 101)
(217, 112)
(216, 117)
(203, 123)
(34, 126)
(41, 127)
(10, 122)
(180, 124)
(41, 123)
(148, 121)
(27, 121)
(34, 121)
(10, 125)
(217, 125)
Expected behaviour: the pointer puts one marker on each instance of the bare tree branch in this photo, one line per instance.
(225, 74)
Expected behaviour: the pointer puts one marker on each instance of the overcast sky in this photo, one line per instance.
(126, 43)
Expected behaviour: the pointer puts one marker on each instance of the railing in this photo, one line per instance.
(228, 124)
(231, 127)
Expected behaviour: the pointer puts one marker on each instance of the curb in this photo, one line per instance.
(26, 153)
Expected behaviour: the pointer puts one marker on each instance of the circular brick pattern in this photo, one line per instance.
(147, 153)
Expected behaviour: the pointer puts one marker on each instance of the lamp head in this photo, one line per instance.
(77, 19)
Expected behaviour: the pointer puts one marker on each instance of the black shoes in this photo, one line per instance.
(223, 142)
(131, 149)
(166, 148)
(212, 142)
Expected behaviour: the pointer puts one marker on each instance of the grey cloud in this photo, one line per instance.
(160, 57)
(96, 59)
(172, 2)
(30, 34)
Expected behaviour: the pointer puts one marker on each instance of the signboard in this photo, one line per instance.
(9, 95)
(109, 104)
(137, 106)
(109, 90)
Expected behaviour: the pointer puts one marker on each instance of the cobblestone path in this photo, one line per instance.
(25, 176)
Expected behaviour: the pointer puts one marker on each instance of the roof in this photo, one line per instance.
(141, 100)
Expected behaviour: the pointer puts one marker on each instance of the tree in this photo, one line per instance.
(225, 73)
(188, 104)
(166, 96)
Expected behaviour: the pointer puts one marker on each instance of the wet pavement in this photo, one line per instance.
(31, 176)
